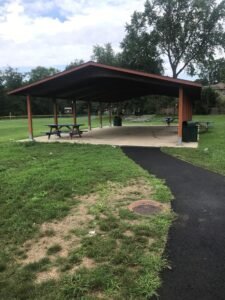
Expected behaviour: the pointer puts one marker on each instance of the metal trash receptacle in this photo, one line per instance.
(190, 131)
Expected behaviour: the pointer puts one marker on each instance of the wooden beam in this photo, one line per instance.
(74, 109)
(180, 114)
(55, 110)
(100, 114)
(89, 115)
(29, 114)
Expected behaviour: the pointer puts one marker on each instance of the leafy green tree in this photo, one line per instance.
(186, 32)
(3, 104)
(212, 71)
(74, 63)
(41, 106)
(40, 72)
(10, 80)
(139, 49)
(105, 55)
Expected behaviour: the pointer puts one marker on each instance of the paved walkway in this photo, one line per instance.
(196, 246)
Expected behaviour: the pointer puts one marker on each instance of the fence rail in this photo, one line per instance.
(39, 117)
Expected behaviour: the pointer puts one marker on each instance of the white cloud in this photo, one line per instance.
(55, 32)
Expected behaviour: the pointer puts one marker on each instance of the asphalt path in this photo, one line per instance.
(196, 242)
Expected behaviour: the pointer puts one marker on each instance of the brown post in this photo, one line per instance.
(110, 114)
(100, 114)
(29, 114)
(55, 109)
(89, 115)
(74, 108)
(180, 114)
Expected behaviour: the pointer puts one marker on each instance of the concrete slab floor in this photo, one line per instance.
(143, 136)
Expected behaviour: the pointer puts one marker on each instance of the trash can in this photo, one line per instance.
(117, 121)
(190, 132)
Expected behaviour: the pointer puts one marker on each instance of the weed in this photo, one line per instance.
(99, 279)
(3, 266)
(147, 284)
(39, 266)
(126, 214)
(75, 256)
(98, 247)
(109, 223)
(48, 233)
(54, 249)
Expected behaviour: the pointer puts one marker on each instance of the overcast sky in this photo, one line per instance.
(56, 32)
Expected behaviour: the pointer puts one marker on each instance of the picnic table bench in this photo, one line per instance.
(205, 125)
(55, 129)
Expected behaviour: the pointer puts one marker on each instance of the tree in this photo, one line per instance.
(40, 72)
(187, 32)
(75, 63)
(10, 80)
(40, 106)
(139, 49)
(212, 71)
(105, 55)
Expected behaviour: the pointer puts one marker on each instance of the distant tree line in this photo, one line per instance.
(187, 34)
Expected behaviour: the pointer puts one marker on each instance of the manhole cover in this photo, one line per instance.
(145, 207)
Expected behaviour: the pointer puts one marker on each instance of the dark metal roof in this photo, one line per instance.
(96, 82)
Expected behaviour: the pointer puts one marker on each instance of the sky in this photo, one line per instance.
(56, 32)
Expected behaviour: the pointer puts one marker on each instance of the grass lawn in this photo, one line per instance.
(66, 231)
(211, 151)
(18, 129)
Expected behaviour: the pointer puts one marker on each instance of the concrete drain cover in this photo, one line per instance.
(145, 207)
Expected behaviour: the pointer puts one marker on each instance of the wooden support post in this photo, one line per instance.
(74, 109)
(180, 114)
(29, 114)
(89, 115)
(110, 114)
(100, 114)
(55, 109)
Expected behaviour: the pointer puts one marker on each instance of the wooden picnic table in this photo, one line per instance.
(55, 129)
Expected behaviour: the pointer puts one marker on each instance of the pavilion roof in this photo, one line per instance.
(97, 82)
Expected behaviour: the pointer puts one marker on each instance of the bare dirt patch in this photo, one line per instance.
(128, 233)
(64, 232)
(36, 248)
(135, 189)
(47, 275)
(86, 263)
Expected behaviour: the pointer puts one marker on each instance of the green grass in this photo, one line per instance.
(40, 183)
(18, 129)
(39, 266)
(54, 249)
(211, 151)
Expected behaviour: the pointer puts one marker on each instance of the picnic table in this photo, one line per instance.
(56, 129)
(169, 120)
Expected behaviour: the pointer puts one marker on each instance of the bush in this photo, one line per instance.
(208, 100)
